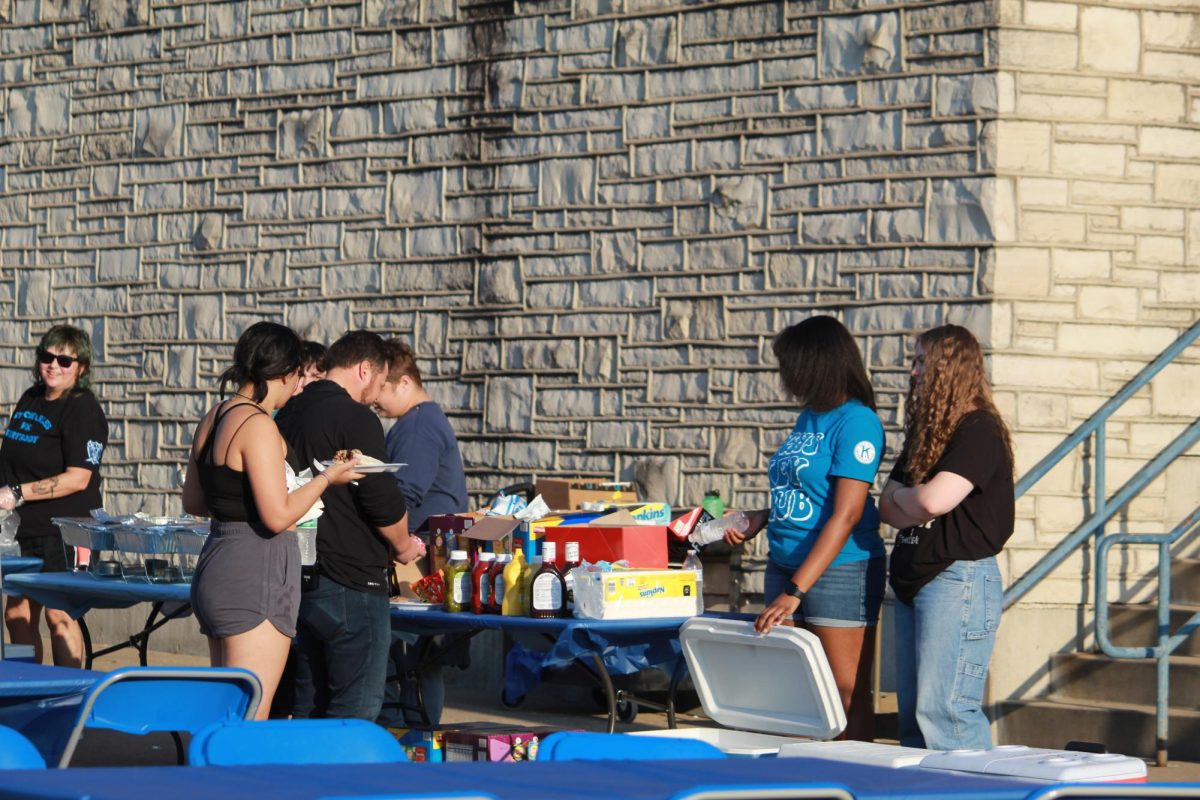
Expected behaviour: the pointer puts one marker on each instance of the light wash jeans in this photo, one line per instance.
(944, 645)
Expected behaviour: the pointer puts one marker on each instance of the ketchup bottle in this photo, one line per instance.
(548, 591)
(494, 578)
(481, 587)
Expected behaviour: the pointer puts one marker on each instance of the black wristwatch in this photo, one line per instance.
(795, 591)
(18, 496)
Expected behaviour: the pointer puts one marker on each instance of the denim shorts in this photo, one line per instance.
(845, 596)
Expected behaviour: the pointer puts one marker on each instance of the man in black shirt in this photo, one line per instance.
(344, 629)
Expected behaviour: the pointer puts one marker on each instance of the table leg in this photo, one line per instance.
(610, 695)
(140, 640)
(676, 676)
(88, 655)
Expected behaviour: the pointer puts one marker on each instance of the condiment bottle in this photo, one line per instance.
(495, 580)
(548, 592)
(572, 562)
(481, 588)
(457, 573)
(513, 602)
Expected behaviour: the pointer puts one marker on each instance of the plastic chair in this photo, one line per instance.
(568, 746)
(294, 741)
(17, 752)
(141, 700)
(767, 791)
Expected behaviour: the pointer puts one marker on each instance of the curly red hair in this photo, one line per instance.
(953, 384)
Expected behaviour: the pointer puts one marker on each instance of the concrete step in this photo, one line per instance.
(1123, 727)
(1185, 580)
(1096, 678)
(1136, 625)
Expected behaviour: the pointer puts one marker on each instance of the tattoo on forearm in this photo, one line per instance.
(46, 487)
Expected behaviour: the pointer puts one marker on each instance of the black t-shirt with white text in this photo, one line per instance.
(977, 527)
(317, 423)
(44, 438)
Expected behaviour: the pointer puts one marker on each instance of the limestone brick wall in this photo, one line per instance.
(1097, 257)
(589, 216)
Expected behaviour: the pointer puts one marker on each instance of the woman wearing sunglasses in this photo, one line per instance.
(50, 467)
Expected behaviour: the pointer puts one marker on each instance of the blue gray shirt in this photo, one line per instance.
(434, 481)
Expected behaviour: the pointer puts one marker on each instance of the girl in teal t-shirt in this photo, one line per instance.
(826, 564)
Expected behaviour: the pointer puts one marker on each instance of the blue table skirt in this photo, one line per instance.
(539, 780)
(626, 646)
(79, 592)
(13, 565)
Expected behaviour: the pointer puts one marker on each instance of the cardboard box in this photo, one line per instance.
(640, 545)
(635, 594)
(493, 743)
(570, 493)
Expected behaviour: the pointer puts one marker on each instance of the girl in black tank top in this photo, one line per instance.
(246, 589)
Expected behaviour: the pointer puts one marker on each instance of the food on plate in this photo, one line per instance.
(364, 460)
(431, 588)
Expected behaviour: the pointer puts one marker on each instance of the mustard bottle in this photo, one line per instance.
(513, 602)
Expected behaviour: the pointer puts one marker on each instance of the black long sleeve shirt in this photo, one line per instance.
(316, 424)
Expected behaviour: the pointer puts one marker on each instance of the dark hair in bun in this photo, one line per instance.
(264, 351)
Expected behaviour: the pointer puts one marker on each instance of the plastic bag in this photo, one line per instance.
(9, 522)
(294, 481)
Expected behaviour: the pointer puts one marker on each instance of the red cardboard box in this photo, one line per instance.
(643, 546)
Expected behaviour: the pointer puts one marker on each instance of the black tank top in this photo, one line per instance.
(227, 491)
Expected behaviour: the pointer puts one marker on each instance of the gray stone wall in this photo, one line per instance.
(589, 216)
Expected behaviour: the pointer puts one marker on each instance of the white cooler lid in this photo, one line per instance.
(1034, 762)
(776, 682)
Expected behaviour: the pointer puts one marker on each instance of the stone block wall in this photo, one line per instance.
(589, 216)
(1097, 258)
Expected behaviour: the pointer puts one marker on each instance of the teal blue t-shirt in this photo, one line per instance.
(844, 442)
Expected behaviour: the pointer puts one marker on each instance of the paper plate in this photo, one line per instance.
(370, 469)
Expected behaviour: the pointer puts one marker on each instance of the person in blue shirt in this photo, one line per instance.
(433, 483)
(826, 561)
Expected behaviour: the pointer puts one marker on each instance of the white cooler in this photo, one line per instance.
(872, 753)
(761, 684)
(1018, 761)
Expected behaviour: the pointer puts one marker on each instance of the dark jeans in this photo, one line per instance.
(342, 640)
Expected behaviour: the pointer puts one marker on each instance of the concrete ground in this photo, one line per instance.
(551, 706)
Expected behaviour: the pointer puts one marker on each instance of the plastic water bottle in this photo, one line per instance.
(714, 529)
(693, 563)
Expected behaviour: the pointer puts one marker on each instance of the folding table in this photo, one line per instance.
(534, 780)
(79, 592)
(604, 647)
(12, 565)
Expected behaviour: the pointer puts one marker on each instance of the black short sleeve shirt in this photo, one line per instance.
(316, 424)
(43, 439)
(977, 527)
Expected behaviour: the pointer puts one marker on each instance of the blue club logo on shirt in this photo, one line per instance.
(864, 451)
(94, 449)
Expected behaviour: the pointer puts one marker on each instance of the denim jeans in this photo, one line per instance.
(342, 639)
(944, 646)
(845, 596)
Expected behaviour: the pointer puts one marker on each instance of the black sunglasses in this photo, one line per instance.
(45, 357)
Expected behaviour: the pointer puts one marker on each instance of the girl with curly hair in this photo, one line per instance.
(950, 495)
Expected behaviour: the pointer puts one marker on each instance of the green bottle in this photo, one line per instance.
(713, 505)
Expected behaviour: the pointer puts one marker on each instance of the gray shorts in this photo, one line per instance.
(246, 574)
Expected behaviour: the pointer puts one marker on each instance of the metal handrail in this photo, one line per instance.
(1095, 423)
(1105, 506)
(1167, 642)
(1105, 510)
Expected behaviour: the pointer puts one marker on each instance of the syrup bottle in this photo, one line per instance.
(572, 562)
(548, 592)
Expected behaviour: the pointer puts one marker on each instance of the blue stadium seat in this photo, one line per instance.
(17, 752)
(568, 746)
(141, 700)
(294, 741)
